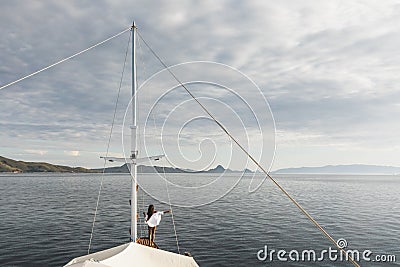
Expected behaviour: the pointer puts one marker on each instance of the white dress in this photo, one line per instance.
(155, 219)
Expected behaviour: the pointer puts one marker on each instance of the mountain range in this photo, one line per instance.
(16, 166)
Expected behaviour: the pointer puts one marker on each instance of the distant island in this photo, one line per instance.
(159, 169)
(342, 169)
(17, 166)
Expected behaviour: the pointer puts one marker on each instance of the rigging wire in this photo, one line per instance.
(172, 212)
(143, 223)
(63, 60)
(250, 156)
(168, 195)
(108, 144)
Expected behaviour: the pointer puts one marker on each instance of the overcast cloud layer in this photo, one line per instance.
(329, 69)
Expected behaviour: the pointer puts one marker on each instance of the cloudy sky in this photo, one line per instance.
(329, 70)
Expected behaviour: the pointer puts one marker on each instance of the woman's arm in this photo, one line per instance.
(144, 215)
(167, 211)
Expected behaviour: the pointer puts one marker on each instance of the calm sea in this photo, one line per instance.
(46, 219)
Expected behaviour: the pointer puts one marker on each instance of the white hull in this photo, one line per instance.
(130, 255)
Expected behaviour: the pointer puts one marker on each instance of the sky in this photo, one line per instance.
(328, 70)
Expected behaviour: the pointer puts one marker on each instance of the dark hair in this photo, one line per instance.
(150, 211)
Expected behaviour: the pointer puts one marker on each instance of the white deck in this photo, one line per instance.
(132, 254)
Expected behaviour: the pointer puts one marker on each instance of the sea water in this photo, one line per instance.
(46, 219)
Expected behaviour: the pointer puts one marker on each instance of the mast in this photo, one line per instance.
(134, 152)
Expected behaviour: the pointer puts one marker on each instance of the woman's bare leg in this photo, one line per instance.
(154, 234)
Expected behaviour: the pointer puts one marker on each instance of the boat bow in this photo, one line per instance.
(132, 254)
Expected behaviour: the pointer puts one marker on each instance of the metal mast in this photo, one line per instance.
(134, 152)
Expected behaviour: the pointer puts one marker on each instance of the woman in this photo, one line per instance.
(153, 219)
